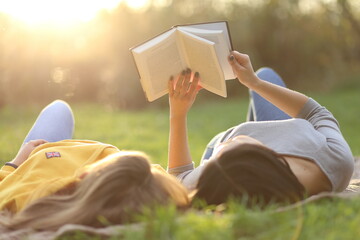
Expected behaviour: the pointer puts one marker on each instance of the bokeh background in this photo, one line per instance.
(79, 50)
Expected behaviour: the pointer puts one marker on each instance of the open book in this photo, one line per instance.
(202, 47)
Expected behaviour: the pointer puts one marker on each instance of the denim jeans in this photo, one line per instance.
(54, 123)
(259, 109)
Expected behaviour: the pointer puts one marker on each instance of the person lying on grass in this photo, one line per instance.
(55, 180)
(291, 147)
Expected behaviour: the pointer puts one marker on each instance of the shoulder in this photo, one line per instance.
(190, 178)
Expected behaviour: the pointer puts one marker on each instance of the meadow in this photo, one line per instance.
(147, 130)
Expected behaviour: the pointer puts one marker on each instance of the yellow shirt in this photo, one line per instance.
(48, 168)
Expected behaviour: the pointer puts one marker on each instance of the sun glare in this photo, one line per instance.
(137, 4)
(60, 11)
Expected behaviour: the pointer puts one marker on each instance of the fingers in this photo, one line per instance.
(179, 82)
(186, 83)
(37, 142)
(171, 86)
(240, 57)
(194, 87)
(40, 142)
(237, 58)
(233, 61)
(241, 66)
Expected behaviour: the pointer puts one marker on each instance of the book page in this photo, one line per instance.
(221, 47)
(157, 63)
(201, 57)
(221, 25)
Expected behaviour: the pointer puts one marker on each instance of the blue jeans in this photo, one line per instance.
(259, 109)
(54, 123)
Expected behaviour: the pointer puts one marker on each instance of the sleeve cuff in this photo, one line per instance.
(178, 170)
(11, 165)
(309, 106)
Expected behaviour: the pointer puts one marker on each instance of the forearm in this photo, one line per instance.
(16, 162)
(182, 94)
(179, 151)
(289, 101)
(25, 151)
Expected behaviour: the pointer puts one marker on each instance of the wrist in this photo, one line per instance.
(11, 165)
(15, 162)
(178, 115)
(255, 83)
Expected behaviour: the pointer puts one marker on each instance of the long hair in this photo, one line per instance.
(253, 173)
(114, 191)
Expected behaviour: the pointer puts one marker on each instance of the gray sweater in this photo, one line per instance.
(313, 135)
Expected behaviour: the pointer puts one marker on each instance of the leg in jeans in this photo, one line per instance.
(55, 123)
(261, 109)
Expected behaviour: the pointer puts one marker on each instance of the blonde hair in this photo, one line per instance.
(114, 191)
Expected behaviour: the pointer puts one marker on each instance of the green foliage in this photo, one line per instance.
(328, 219)
(311, 43)
(344, 105)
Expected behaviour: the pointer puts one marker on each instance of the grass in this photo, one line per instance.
(128, 130)
(147, 131)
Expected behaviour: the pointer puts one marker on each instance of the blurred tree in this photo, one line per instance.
(311, 44)
(348, 14)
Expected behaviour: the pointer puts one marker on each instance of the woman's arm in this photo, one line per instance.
(287, 100)
(182, 94)
(21, 157)
(25, 151)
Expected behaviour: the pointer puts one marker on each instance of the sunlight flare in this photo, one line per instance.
(60, 11)
(137, 4)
